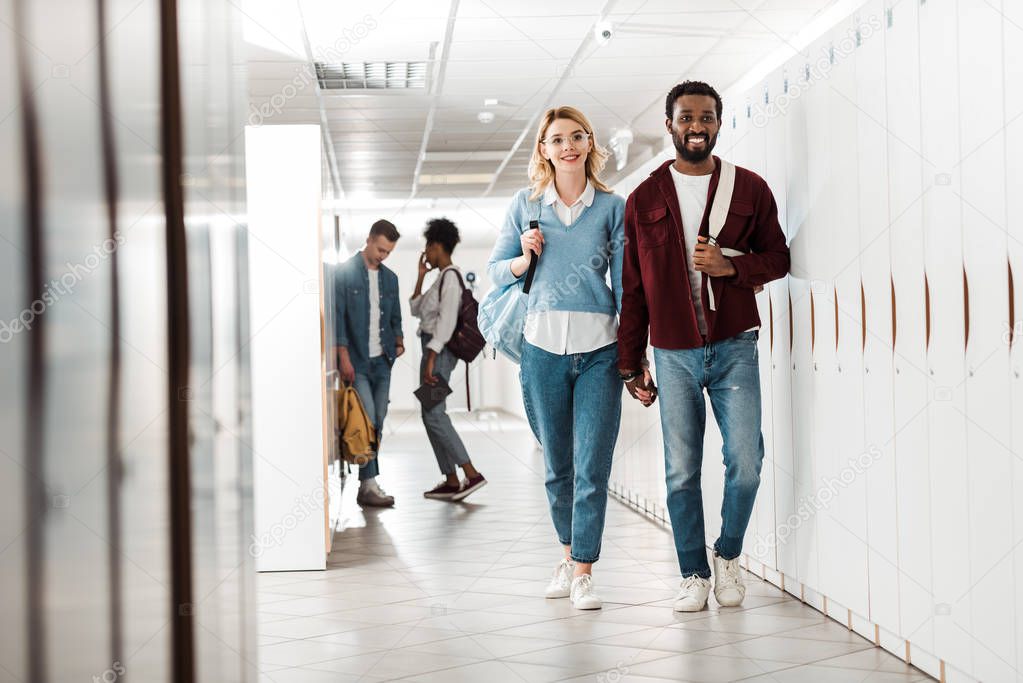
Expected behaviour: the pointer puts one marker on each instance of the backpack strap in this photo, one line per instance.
(534, 223)
(440, 284)
(718, 215)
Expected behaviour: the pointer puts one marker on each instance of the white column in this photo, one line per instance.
(283, 178)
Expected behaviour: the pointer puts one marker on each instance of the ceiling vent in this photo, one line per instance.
(371, 75)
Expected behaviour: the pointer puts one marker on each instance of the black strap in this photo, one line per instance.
(534, 224)
(440, 284)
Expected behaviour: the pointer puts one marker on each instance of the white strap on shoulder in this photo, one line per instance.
(719, 213)
(722, 198)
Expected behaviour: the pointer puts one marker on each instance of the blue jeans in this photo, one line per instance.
(447, 445)
(374, 389)
(574, 406)
(729, 370)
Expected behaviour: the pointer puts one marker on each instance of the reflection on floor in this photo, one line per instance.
(435, 591)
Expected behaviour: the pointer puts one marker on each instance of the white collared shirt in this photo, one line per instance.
(438, 317)
(565, 332)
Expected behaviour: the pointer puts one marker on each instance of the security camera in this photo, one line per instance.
(470, 277)
(603, 31)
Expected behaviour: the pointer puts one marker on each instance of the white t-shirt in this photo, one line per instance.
(692, 200)
(565, 332)
(375, 349)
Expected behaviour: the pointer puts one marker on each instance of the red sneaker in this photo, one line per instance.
(468, 486)
(442, 491)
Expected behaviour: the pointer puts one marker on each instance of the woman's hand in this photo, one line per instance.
(424, 265)
(641, 388)
(532, 242)
(428, 376)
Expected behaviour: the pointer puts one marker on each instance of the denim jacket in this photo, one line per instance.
(351, 301)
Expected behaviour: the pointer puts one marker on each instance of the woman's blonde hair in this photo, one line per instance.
(541, 171)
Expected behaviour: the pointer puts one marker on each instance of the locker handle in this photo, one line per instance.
(966, 311)
(895, 323)
(1012, 306)
(863, 317)
(927, 313)
(836, 318)
(813, 324)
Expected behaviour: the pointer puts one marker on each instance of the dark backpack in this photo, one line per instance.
(466, 341)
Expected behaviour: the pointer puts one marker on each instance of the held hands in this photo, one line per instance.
(641, 388)
(707, 258)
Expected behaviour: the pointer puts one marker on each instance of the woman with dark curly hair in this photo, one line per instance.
(437, 310)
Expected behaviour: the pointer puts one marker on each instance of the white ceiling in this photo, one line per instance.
(517, 53)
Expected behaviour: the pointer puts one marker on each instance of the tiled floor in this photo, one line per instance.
(435, 591)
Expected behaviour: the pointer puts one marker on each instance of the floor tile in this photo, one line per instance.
(433, 591)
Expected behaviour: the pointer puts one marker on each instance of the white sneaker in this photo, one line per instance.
(561, 582)
(729, 588)
(692, 595)
(582, 593)
(371, 495)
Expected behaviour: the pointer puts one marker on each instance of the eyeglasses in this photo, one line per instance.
(560, 140)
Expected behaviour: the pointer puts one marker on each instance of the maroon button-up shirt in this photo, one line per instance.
(656, 295)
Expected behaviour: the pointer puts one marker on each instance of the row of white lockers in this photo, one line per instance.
(890, 356)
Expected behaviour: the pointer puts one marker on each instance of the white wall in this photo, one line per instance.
(892, 489)
(283, 177)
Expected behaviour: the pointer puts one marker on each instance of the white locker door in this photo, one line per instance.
(844, 543)
(876, 333)
(803, 212)
(772, 169)
(910, 384)
(988, 455)
(777, 360)
(940, 152)
(762, 520)
(1013, 61)
(821, 228)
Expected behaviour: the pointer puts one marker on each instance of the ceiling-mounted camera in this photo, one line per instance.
(603, 32)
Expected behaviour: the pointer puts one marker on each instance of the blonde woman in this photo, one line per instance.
(570, 385)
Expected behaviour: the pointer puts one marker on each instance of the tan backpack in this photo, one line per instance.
(355, 430)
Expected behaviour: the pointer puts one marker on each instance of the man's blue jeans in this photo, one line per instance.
(574, 406)
(374, 389)
(729, 371)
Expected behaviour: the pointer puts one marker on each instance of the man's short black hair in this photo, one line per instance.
(690, 88)
(385, 228)
(443, 232)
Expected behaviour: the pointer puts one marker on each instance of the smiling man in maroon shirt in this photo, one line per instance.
(694, 294)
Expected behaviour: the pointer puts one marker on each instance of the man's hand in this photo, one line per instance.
(345, 365)
(428, 376)
(399, 346)
(707, 258)
(641, 388)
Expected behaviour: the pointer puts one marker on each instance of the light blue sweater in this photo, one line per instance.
(571, 274)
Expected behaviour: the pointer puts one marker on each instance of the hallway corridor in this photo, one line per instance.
(434, 591)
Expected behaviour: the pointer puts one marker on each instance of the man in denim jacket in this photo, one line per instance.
(369, 337)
